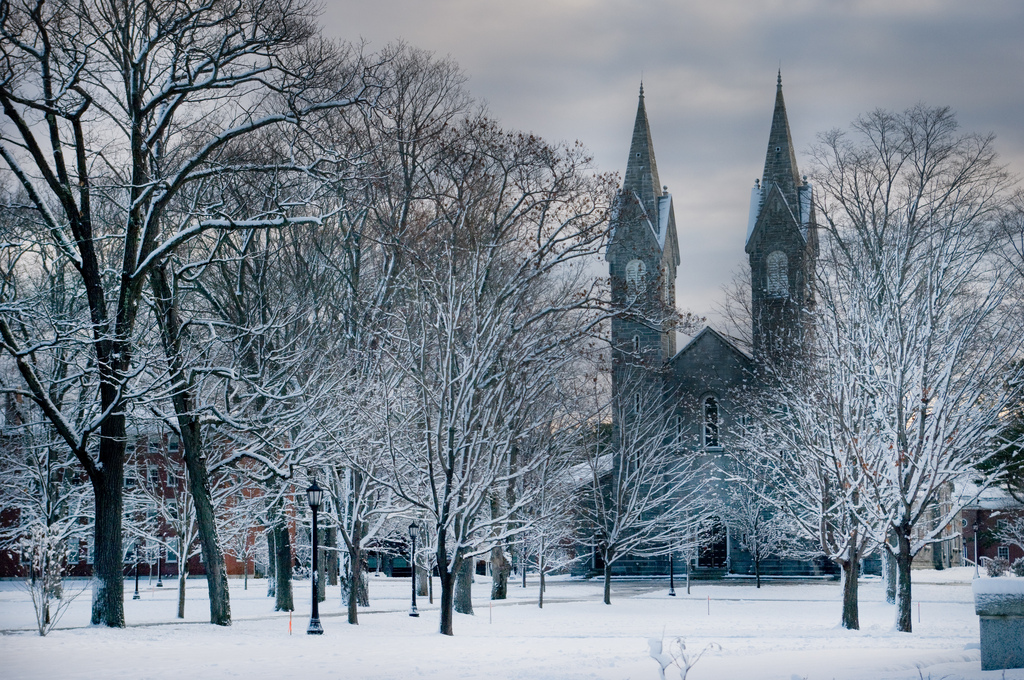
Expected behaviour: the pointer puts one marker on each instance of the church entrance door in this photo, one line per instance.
(713, 546)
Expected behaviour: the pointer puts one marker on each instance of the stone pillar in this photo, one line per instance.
(999, 602)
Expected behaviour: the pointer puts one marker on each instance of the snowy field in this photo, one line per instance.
(783, 631)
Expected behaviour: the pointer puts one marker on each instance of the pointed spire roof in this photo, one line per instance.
(780, 161)
(641, 168)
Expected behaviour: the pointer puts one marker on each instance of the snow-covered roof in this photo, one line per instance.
(664, 210)
(991, 498)
(706, 330)
(755, 208)
(805, 195)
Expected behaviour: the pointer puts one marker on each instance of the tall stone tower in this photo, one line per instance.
(782, 244)
(643, 254)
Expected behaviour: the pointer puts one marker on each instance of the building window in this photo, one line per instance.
(777, 267)
(679, 427)
(636, 404)
(154, 477)
(636, 277)
(173, 445)
(711, 422)
(1003, 552)
(636, 345)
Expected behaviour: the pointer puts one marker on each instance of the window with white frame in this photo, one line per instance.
(711, 422)
(1003, 552)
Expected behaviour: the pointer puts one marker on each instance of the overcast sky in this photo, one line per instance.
(570, 69)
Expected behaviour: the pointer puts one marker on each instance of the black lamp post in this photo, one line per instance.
(414, 531)
(159, 566)
(136, 595)
(976, 575)
(671, 575)
(314, 494)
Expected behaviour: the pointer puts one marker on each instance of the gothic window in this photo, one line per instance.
(636, 404)
(636, 345)
(679, 427)
(711, 422)
(636, 277)
(777, 267)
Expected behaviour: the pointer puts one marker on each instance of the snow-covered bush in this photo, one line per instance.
(997, 567)
(1018, 566)
(46, 550)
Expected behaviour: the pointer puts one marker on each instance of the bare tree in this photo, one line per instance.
(115, 111)
(918, 330)
(641, 497)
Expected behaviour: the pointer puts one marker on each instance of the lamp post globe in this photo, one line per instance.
(314, 495)
(414, 531)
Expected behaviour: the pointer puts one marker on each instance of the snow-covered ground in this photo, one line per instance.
(783, 631)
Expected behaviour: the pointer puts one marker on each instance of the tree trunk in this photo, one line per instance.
(332, 564)
(607, 581)
(447, 575)
(355, 558)
(757, 570)
(889, 573)
(464, 588)
(430, 587)
(422, 576)
(271, 564)
(187, 416)
(363, 586)
(851, 609)
(540, 596)
(500, 570)
(283, 568)
(904, 604)
(182, 575)
(108, 574)
(245, 572)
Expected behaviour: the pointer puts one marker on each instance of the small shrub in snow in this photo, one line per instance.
(1018, 566)
(997, 567)
(677, 656)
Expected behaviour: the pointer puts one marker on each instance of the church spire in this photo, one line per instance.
(780, 161)
(641, 168)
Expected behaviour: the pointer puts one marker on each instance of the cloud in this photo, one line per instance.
(569, 69)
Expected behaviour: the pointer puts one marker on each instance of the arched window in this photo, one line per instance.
(711, 422)
(636, 404)
(636, 277)
(636, 345)
(777, 267)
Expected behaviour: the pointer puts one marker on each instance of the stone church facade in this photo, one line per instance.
(700, 383)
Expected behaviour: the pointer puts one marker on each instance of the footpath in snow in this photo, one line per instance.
(783, 631)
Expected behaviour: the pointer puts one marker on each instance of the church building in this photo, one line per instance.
(699, 384)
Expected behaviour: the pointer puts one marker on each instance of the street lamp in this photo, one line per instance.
(136, 595)
(976, 574)
(314, 494)
(159, 566)
(671, 575)
(414, 531)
